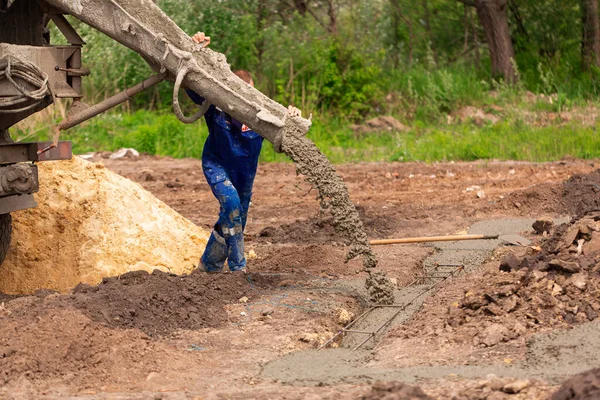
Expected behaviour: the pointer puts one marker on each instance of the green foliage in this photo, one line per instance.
(416, 60)
(164, 135)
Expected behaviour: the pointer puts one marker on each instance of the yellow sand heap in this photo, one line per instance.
(91, 223)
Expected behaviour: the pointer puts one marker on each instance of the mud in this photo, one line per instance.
(160, 303)
(585, 386)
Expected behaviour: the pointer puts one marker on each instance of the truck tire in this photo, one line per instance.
(5, 234)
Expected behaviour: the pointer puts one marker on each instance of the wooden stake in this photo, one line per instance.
(425, 239)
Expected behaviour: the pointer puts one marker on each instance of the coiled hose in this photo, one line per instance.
(16, 70)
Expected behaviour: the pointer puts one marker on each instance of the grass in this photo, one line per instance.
(511, 139)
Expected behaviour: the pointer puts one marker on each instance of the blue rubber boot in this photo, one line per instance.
(215, 253)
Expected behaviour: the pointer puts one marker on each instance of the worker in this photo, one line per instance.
(229, 163)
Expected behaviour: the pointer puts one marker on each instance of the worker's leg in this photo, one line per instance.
(243, 180)
(215, 253)
(230, 223)
(216, 250)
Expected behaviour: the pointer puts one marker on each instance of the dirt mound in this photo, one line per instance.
(160, 303)
(384, 123)
(477, 115)
(395, 391)
(585, 386)
(321, 230)
(64, 346)
(92, 223)
(555, 285)
(579, 195)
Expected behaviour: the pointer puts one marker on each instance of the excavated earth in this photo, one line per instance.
(519, 323)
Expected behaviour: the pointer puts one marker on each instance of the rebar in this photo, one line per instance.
(401, 307)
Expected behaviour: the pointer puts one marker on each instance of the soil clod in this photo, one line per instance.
(585, 386)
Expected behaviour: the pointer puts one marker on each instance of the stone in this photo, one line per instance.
(309, 337)
(579, 280)
(516, 386)
(556, 289)
(510, 263)
(497, 396)
(243, 300)
(267, 311)
(494, 309)
(152, 376)
(494, 334)
(343, 316)
(569, 237)
(519, 329)
(542, 225)
(538, 275)
(510, 303)
(566, 266)
(593, 245)
(585, 232)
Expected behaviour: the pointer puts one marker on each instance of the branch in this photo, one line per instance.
(316, 17)
(469, 3)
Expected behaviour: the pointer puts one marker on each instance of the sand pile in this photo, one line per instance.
(91, 223)
(558, 285)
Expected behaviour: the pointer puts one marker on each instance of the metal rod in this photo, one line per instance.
(402, 308)
(109, 103)
(364, 341)
(372, 307)
(340, 332)
(361, 332)
(425, 239)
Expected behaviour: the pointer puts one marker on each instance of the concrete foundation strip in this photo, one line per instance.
(401, 307)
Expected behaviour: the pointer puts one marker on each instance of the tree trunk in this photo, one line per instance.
(332, 17)
(429, 31)
(493, 19)
(398, 15)
(262, 13)
(590, 44)
(477, 59)
(396, 32)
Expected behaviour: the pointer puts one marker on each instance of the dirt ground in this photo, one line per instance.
(168, 337)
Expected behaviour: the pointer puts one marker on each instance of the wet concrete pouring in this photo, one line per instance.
(257, 336)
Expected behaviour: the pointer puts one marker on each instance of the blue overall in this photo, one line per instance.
(229, 163)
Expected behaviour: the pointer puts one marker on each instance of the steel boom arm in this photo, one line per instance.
(146, 29)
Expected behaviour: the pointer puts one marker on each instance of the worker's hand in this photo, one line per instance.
(294, 112)
(201, 38)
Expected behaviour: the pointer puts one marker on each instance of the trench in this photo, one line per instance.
(550, 356)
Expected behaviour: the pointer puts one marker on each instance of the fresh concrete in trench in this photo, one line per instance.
(550, 356)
